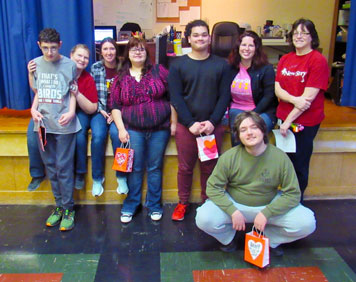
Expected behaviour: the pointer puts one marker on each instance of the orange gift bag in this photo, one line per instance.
(256, 248)
(123, 158)
(207, 149)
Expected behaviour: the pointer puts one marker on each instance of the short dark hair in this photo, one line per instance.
(256, 118)
(189, 27)
(306, 24)
(49, 35)
(258, 60)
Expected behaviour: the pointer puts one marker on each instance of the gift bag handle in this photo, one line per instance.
(259, 233)
(126, 145)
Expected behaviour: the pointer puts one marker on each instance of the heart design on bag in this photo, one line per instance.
(254, 248)
(209, 144)
(210, 148)
(120, 158)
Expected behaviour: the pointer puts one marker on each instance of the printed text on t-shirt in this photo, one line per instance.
(302, 74)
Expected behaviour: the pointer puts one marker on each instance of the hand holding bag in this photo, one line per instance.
(207, 149)
(256, 248)
(123, 158)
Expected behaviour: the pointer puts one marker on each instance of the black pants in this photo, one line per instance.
(301, 158)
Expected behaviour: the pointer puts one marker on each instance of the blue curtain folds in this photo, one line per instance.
(349, 89)
(20, 23)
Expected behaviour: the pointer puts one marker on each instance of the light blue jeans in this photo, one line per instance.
(297, 223)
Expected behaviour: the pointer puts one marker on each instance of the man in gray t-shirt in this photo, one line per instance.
(53, 111)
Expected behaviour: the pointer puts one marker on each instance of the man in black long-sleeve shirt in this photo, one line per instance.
(200, 93)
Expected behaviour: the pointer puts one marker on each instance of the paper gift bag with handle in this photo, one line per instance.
(123, 158)
(207, 149)
(256, 248)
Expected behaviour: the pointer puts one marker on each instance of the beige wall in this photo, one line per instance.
(256, 12)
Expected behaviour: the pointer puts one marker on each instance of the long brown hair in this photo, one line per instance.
(126, 64)
(258, 60)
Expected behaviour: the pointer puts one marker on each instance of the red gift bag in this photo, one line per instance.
(207, 148)
(123, 158)
(42, 135)
(256, 248)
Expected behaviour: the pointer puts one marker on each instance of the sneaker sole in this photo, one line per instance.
(176, 219)
(66, 229)
(51, 225)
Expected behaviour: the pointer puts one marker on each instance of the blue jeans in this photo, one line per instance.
(233, 113)
(99, 131)
(149, 148)
(36, 165)
(116, 143)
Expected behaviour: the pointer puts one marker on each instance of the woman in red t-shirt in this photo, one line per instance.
(301, 80)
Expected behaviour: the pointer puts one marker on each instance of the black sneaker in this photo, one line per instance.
(229, 248)
(35, 183)
(277, 252)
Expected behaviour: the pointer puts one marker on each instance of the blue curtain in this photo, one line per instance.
(349, 89)
(20, 23)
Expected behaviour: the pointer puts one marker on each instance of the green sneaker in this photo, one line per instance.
(55, 217)
(67, 222)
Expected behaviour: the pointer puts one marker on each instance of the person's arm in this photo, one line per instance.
(31, 67)
(175, 84)
(224, 96)
(216, 183)
(290, 192)
(268, 99)
(68, 116)
(174, 120)
(123, 134)
(309, 94)
(98, 75)
(36, 115)
(216, 192)
(85, 104)
(300, 102)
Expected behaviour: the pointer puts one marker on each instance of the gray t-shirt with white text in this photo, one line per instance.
(52, 81)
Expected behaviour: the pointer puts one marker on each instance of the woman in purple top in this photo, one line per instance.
(141, 112)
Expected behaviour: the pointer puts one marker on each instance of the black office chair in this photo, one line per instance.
(223, 38)
(133, 27)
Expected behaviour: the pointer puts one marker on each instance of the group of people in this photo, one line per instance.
(252, 182)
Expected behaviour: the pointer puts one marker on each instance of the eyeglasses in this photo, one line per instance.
(134, 50)
(303, 34)
(46, 49)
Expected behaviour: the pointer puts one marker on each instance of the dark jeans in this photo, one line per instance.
(301, 158)
(187, 156)
(149, 148)
(59, 161)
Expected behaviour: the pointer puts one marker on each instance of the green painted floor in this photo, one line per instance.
(75, 267)
(179, 266)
